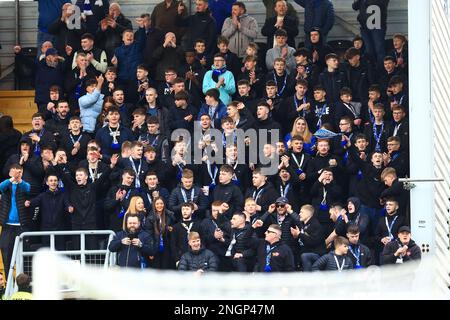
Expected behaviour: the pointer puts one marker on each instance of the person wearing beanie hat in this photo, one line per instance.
(51, 52)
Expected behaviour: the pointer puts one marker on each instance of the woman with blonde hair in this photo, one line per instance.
(301, 128)
(159, 222)
(136, 207)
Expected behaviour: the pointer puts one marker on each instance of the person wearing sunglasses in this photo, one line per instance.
(273, 255)
(281, 214)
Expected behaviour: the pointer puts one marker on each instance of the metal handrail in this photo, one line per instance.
(408, 182)
(420, 180)
(18, 251)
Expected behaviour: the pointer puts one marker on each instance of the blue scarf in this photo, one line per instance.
(218, 72)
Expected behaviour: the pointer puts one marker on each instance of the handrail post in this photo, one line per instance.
(10, 280)
(17, 9)
(82, 249)
(52, 242)
(19, 254)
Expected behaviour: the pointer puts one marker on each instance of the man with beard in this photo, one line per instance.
(132, 244)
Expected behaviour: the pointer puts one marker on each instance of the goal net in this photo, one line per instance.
(55, 277)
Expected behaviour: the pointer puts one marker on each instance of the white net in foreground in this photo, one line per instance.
(54, 276)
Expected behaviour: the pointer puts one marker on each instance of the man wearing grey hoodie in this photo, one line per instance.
(240, 29)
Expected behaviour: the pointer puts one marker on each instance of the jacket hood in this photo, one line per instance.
(356, 202)
(26, 140)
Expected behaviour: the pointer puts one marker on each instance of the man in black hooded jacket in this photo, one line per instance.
(318, 48)
(354, 217)
(201, 25)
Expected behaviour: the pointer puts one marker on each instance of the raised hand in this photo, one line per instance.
(69, 50)
(114, 60)
(114, 159)
(295, 232)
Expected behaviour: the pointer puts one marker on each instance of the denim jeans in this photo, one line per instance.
(374, 216)
(308, 260)
(374, 43)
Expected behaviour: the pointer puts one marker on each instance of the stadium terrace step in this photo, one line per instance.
(20, 106)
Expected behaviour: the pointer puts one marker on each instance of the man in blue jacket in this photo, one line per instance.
(49, 72)
(132, 244)
(128, 56)
(373, 35)
(14, 216)
(111, 137)
(91, 104)
(213, 107)
(220, 9)
(318, 14)
(48, 11)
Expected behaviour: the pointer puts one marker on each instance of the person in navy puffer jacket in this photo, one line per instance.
(197, 258)
(128, 56)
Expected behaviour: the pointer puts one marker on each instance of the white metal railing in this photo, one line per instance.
(440, 95)
(19, 255)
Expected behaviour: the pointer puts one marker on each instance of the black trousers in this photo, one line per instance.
(7, 240)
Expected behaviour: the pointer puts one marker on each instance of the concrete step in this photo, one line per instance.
(20, 106)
